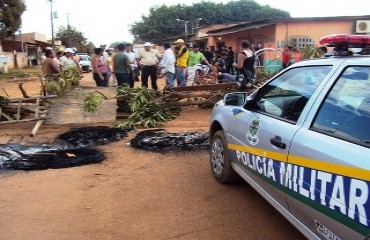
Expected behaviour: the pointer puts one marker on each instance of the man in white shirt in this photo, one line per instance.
(131, 56)
(168, 64)
(148, 60)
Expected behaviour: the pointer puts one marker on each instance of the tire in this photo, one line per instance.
(220, 159)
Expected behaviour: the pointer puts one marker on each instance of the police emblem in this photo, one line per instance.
(252, 135)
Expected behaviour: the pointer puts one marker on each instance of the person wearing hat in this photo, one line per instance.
(148, 59)
(182, 56)
(68, 59)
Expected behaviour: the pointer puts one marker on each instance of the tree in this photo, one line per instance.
(10, 16)
(163, 21)
(114, 44)
(73, 38)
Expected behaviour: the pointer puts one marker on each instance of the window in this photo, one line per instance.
(345, 112)
(287, 95)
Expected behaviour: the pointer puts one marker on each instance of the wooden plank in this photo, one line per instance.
(187, 103)
(192, 95)
(218, 86)
(38, 125)
(123, 115)
(19, 110)
(7, 117)
(31, 99)
(69, 108)
(37, 108)
(23, 120)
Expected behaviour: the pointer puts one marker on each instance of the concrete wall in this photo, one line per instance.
(21, 57)
(314, 30)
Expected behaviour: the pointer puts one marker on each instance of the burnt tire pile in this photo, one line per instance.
(90, 136)
(160, 140)
(71, 149)
(56, 159)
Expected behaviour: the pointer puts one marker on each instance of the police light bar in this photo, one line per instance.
(347, 40)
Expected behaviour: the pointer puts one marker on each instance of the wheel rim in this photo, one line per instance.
(217, 157)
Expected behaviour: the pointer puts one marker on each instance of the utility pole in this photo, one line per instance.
(68, 31)
(52, 23)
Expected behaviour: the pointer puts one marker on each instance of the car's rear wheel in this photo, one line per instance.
(220, 159)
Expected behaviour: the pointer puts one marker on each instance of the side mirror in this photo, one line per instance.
(235, 99)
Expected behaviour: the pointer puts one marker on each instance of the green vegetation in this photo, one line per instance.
(10, 16)
(15, 74)
(58, 84)
(161, 21)
(311, 52)
(93, 101)
(75, 38)
(148, 107)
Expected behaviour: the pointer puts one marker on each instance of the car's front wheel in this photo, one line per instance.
(220, 159)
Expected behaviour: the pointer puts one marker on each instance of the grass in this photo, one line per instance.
(20, 73)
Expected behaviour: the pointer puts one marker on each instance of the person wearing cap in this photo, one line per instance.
(182, 56)
(68, 60)
(148, 59)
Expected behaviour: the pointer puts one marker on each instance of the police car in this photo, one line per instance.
(302, 141)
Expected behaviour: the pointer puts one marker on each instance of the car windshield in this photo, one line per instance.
(84, 58)
(298, 81)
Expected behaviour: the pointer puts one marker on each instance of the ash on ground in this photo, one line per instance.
(69, 150)
(90, 136)
(159, 139)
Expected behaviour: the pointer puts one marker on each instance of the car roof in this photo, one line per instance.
(335, 60)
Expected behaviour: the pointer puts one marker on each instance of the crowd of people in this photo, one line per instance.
(180, 64)
(184, 63)
(54, 63)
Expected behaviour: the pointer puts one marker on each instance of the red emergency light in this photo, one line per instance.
(347, 40)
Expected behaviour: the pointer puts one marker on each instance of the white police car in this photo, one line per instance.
(303, 142)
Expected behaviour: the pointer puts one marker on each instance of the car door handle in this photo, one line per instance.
(276, 141)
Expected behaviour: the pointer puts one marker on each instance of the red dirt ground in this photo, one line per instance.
(134, 194)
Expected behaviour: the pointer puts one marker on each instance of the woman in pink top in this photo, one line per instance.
(100, 69)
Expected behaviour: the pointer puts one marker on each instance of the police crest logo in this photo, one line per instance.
(252, 135)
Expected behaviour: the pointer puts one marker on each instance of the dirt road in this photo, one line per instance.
(134, 194)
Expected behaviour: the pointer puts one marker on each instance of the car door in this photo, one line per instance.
(260, 132)
(330, 158)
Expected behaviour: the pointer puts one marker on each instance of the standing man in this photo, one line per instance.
(207, 55)
(148, 59)
(131, 56)
(49, 65)
(168, 64)
(195, 57)
(122, 67)
(182, 56)
(230, 61)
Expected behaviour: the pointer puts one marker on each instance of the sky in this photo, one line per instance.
(107, 21)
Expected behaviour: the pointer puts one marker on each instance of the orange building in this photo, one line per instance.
(295, 32)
